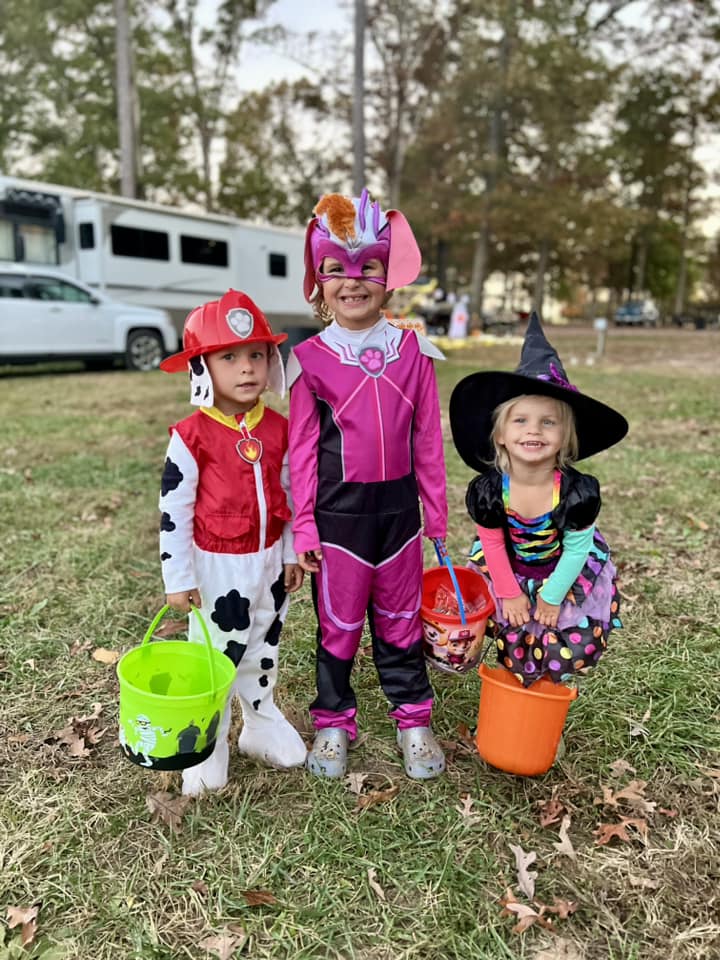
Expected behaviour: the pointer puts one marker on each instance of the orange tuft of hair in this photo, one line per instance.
(340, 212)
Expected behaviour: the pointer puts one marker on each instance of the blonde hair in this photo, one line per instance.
(568, 451)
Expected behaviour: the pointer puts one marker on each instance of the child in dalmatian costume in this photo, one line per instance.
(225, 536)
(365, 444)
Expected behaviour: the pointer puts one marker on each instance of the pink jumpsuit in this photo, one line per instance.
(364, 443)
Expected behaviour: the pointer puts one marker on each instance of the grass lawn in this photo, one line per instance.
(282, 865)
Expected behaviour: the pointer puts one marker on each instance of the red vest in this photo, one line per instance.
(236, 500)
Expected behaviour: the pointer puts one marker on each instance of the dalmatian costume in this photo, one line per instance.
(225, 529)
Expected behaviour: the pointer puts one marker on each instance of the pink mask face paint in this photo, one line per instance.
(352, 263)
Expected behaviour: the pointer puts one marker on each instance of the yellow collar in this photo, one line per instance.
(252, 418)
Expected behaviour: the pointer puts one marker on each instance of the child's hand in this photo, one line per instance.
(182, 600)
(294, 575)
(310, 561)
(546, 613)
(516, 610)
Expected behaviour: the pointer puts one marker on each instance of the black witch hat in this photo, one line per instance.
(540, 372)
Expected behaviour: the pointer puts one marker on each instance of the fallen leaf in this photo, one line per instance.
(80, 647)
(374, 885)
(563, 908)
(467, 740)
(259, 898)
(374, 797)
(697, 522)
(167, 808)
(199, 886)
(631, 794)
(356, 781)
(103, 655)
(565, 847)
(464, 808)
(526, 878)
(527, 915)
(620, 767)
(606, 831)
(645, 883)
(550, 811)
(223, 945)
(26, 918)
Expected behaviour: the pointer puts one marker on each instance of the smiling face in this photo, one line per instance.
(239, 375)
(532, 431)
(355, 302)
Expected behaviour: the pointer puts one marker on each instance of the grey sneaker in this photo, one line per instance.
(328, 757)
(422, 754)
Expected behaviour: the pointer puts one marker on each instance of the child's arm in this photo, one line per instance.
(575, 549)
(303, 437)
(428, 455)
(293, 572)
(515, 604)
(177, 504)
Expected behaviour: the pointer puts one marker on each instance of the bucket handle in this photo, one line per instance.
(445, 561)
(208, 643)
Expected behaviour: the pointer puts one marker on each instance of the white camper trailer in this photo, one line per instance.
(153, 255)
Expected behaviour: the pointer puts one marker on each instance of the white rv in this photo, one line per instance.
(153, 255)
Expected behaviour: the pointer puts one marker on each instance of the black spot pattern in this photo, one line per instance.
(235, 650)
(166, 523)
(273, 634)
(231, 612)
(171, 477)
(266, 663)
(256, 704)
(263, 681)
(198, 367)
(278, 591)
(166, 556)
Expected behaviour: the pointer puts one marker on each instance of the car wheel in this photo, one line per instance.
(144, 350)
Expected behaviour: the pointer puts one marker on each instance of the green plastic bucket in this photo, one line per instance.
(172, 696)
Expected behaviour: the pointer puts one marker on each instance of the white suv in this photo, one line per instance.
(46, 315)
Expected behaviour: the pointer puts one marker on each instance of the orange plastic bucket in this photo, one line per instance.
(448, 644)
(519, 728)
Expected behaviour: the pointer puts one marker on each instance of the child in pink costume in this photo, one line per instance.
(365, 443)
(225, 537)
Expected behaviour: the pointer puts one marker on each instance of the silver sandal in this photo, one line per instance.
(422, 754)
(328, 757)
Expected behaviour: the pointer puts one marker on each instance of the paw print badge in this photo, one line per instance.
(372, 361)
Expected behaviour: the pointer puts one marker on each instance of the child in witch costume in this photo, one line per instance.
(548, 567)
(365, 443)
(225, 535)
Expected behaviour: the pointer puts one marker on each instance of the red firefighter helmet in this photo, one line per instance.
(232, 320)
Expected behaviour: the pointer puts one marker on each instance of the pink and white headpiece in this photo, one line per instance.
(354, 230)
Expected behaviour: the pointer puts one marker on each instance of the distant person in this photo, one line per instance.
(365, 444)
(548, 567)
(225, 534)
(459, 319)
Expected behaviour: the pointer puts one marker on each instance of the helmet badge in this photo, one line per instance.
(240, 321)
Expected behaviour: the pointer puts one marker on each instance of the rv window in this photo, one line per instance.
(278, 265)
(87, 236)
(144, 244)
(212, 253)
(11, 286)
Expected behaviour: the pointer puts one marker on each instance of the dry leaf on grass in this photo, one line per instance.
(467, 740)
(259, 898)
(79, 734)
(223, 945)
(200, 887)
(465, 808)
(620, 767)
(80, 647)
(103, 655)
(374, 885)
(356, 782)
(26, 919)
(565, 847)
(374, 797)
(563, 908)
(167, 808)
(527, 915)
(526, 878)
(632, 794)
(550, 811)
(607, 831)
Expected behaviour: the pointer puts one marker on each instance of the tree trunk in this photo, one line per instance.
(358, 107)
(126, 102)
